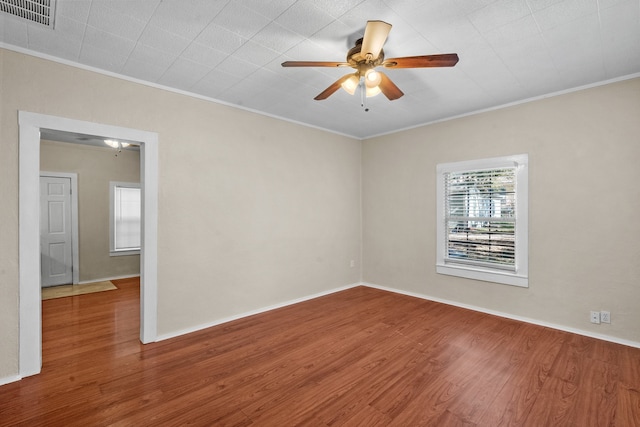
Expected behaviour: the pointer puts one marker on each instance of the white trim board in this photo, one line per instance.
(85, 67)
(510, 316)
(254, 312)
(512, 104)
(401, 292)
(11, 379)
(51, 58)
(30, 333)
(128, 276)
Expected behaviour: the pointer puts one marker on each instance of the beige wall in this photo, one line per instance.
(253, 211)
(584, 199)
(95, 167)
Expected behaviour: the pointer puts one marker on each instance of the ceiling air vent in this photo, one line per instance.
(39, 11)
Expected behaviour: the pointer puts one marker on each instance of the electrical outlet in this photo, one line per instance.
(595, 317)
(352, 263)
(605, 317)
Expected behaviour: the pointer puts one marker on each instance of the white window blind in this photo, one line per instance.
(482, 219)
(125, 217)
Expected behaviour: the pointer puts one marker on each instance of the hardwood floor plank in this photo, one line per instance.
(535, 351)
(374, 374)
(582, 392)
(358, 357)
(365, 416)
(630, 366)
(449, 419)
(428, 406)
(628, 406)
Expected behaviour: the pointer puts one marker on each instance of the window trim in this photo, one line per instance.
(112, 187)
(519, 277)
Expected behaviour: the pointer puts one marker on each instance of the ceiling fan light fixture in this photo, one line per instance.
(372, 78)
(373, 91)
(351, 84)
(116, 144)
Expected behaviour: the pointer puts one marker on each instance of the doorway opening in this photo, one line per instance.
(31, 124)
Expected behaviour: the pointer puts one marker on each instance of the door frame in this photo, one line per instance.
(30, 305)
(75, 257)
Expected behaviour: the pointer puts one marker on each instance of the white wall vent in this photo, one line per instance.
(39, 11)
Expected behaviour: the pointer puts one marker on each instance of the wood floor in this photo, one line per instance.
(362, 357)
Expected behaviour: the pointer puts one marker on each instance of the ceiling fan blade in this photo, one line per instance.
(423, 61)
(389, 88)
(314, 64)
(375, 34)
(331, 89)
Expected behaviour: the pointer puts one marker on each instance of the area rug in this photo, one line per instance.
(71, 290)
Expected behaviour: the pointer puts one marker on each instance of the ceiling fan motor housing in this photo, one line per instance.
(359, 61)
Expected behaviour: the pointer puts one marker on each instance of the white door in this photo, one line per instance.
(55, 231)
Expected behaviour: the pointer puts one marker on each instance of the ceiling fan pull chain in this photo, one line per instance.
(363, 96)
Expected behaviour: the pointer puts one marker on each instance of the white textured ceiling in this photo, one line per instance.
(231, 51)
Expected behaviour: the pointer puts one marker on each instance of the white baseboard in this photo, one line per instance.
(511, 316)
(129, 276)
(10, 379)
(170, 335)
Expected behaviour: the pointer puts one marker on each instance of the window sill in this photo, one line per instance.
(124, 253)
(485, 275)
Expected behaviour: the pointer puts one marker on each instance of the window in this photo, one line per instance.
(124, 218)
(482, 216)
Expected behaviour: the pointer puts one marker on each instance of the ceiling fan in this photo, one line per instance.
(365, 56)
